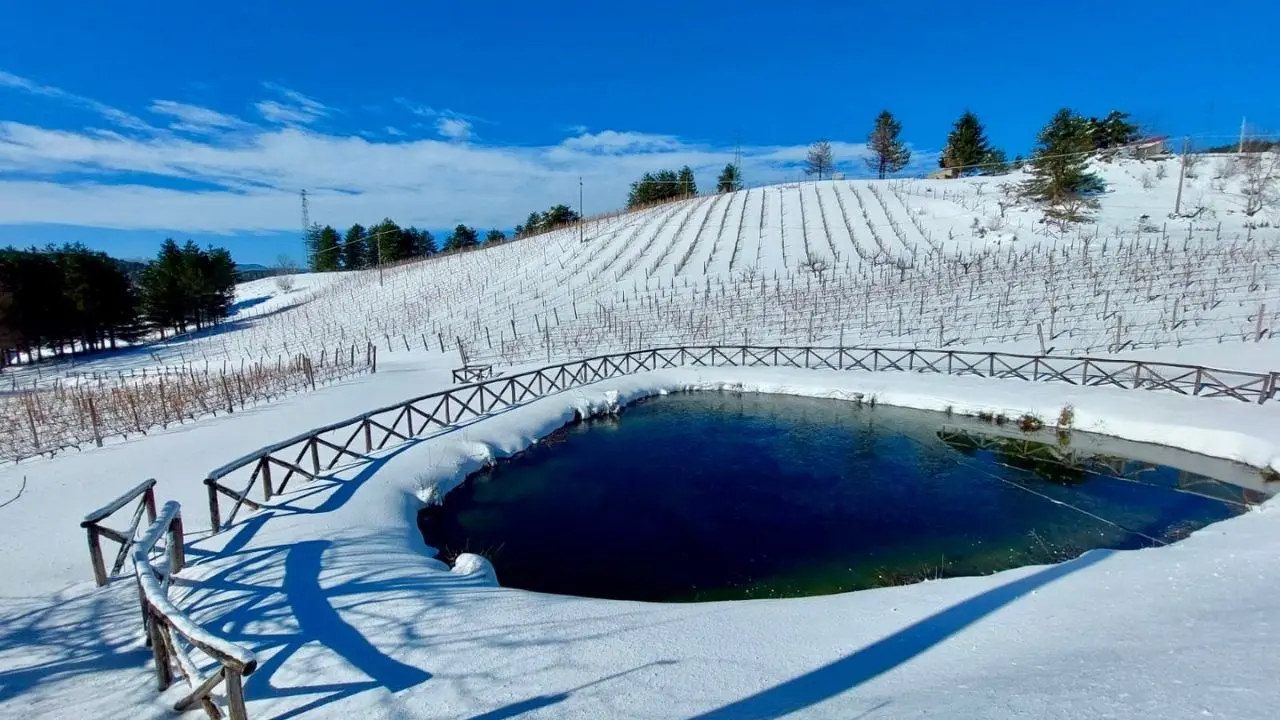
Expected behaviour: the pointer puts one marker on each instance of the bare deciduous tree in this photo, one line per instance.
(285, 269)
(1259, 186)
(817, 266)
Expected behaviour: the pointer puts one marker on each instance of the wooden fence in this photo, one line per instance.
(319, 450)
(170, 632)
(145, 494)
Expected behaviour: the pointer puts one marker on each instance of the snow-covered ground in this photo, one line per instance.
(352, 616)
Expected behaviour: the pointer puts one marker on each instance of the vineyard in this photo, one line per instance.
(948, 264)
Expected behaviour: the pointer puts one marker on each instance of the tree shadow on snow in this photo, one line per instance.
(888, 653)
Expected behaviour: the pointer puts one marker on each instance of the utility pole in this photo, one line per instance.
(1182, 174)
(582, 219)
(1241, 148)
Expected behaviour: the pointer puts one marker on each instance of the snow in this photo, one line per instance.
(349, 614)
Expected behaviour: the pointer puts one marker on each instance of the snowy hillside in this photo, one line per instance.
(930, 263)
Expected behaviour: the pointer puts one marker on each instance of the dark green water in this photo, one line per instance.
(712, 496)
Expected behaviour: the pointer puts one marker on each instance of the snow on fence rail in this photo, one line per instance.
(145, 494)
(168, 628)
(319, 450)
(48, 420)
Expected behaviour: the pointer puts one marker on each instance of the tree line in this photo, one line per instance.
(70, 299)
(381, 244)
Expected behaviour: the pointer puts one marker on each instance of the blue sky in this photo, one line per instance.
(124, 123)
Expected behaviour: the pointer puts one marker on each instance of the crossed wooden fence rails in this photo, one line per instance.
(145, 494)
(317, 451)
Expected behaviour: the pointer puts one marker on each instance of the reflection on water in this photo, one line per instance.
(703, 496)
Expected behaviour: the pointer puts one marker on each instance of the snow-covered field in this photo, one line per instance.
(350, 614)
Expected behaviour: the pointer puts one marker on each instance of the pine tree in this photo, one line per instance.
(1112, 131)
(1060, 163)
(493, 237)
(730, 179)
(995, 162)
(326, 252)
(819, 160)
(967, 146)
(354, 252)
(657, 187)
(384, 243)
(688, 187)
(888, 153)
(462, 238)
(533, 224)
(558, 216)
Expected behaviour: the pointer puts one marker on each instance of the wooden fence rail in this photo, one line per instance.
(317, 451)
(145, 494)
(170, 632)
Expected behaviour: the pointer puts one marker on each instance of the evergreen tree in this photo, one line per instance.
(187, 286)
(1060, 162)
(463, 238)
(888, 153)
(967, 146)
(161, 288)
(427, 243)
(688, 187)
(494, 237)
(384, 243)
(325, 249)
(1112, 131)
(559, 216)
(412, 243)
(531, 226)
(995, 162)
(659, 186)
(730, 179)
(819, 160)
(354, 252)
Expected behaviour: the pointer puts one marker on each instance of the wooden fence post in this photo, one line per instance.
(149, 499)
(95, 556)
(267, 490)
(215, 512)
(235, 694)
(177, 553)
(97, 426)
(159, 650)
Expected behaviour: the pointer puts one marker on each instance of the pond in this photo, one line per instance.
(717, 496)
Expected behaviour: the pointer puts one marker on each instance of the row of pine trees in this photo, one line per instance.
(70, 299)
(968, 151)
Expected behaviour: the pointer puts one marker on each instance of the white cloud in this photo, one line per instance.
(298, 109)
(393, 131)
(610, 141)
(115, 115)
(254, 173)
(454, 128)
(196, 119)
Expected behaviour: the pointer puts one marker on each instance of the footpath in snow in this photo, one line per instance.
(351, 616)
